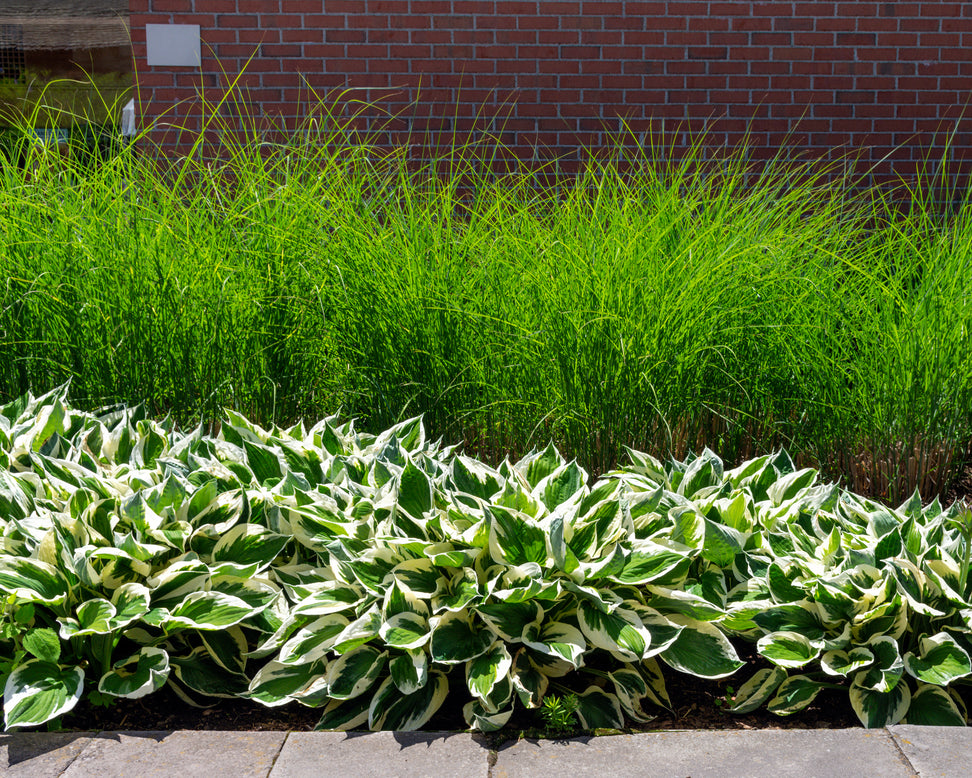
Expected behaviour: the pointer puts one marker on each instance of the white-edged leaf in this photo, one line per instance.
(140, 674)
(410, 671)
(354, 672)
(620, 632)
(758, 689)
(561, 641)
(392, 710)
(210, 610)
(455, 639)
(488, 669)
(598, 709)
(32, 580)
(880, 708)
(277, 684)
(793, 695)
(787, 649)
(39, 691)
(405, 630)
(701, 650)
(942, 660)
(932, 706)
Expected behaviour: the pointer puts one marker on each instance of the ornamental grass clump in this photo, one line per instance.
(655, 301)
(375, 576)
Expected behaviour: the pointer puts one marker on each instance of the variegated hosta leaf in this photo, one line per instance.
(93, 618)
(463, 590)
(941, 660)
(513, 621)
(227, 647)
(933, 706)
(664, 631)
(340, 715)
(456, 639)
(912, 586)
(598, 709)
(249, 544)
(787, 649)
(359, 631)
(758, 689)
(328, 597)
(277, 684)
(701, 650)
(354, 672)
(31, 580)
(537, 465)
(799, 617)
(474, 478)
(528, 681)
(515, 538)
(482, 719)
(419, 577)
(414, 491)
(487, 670)
(844, 663)
(410, 671)
(38, 691)
(884, 674)
(138, 675)
(889, 619)
(657, 692)
(793, 695)
(880, 708)
(631, 690)
(131, 602)
(686, 603)
(199, 673)
(560, 641)
(621, 632)
(209, 610)
(390, 709)
(405, 630)
(649, 561)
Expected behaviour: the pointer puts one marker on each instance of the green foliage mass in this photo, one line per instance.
(666, 306)
(375, 576)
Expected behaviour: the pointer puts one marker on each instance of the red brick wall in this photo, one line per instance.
(865, 76)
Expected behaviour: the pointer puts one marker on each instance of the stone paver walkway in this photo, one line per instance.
(891, 752)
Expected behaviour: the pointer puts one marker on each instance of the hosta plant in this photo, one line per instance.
(375, 576)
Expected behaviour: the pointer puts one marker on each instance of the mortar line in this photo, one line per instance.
(901, 752)
(90, 743)
(276, 756)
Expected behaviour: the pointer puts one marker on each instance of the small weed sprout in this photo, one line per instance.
(559, 714)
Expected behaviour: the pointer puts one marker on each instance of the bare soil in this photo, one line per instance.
(697, 704)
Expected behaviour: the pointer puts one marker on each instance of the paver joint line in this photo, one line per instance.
(276, 756)
(901, 752)
(86, 747)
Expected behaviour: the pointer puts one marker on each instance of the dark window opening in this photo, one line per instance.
(12, 59)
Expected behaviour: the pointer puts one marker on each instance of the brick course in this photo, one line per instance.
(864, 77)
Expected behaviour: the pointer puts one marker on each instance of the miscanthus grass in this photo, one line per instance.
(660, 306)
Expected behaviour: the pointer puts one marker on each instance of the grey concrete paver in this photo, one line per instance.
(936, 750)
(182, 753)
(776, 753)
(39, 754)
(399, 754)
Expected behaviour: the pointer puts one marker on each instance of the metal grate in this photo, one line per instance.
(11, 52)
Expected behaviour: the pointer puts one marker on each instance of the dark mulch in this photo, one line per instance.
(697, 704)
(961, 489)
(695, 708)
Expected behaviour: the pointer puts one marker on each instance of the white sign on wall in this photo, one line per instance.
(172, 45)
